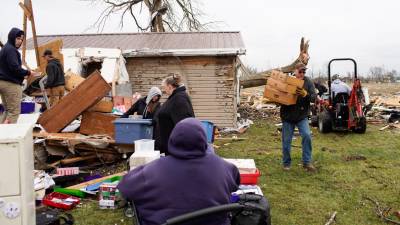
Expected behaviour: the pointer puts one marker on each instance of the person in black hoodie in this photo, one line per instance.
(177, 107)
(55, 77)
(12, 75)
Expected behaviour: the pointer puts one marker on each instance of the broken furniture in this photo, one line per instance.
(93, 123)
(88, 93)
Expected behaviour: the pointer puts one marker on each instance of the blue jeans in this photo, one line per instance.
(287, 136)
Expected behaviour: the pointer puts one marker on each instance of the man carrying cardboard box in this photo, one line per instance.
(297, 116)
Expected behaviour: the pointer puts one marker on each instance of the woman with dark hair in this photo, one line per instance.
(177, 107)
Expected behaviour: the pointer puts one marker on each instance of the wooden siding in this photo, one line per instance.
(210, 82)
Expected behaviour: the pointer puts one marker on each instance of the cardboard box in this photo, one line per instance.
(281, 86)
(72, 80)
(277, 75)
(279, 96)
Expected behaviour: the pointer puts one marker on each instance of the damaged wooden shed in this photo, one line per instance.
(208, 62)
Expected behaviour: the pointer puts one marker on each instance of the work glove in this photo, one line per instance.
(301, 92)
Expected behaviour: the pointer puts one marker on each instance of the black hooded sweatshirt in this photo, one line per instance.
(10, 60)
(55, 73)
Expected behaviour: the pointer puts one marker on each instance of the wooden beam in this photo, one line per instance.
(28, 3)
(24, 21)
(88, 93)
(84, 184)
(26, 10)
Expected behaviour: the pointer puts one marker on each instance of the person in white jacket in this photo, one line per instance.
(339, 86)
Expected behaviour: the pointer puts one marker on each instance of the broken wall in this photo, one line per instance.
(211, 82)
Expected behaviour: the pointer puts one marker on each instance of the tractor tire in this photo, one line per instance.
(361, 126)
(324, 122)
(314, 120)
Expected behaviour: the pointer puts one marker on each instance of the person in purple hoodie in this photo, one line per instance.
(189, 179)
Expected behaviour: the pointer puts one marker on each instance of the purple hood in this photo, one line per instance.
(188, 140)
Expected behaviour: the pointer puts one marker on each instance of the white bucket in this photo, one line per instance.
(144, 145)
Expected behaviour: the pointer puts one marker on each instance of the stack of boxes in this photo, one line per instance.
(108, 195)
(281, 88)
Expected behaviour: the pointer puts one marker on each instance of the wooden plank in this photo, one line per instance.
(34, 37)
(27, 13)
(103, 106)
(84, 184)
(24, 25)
(97, 123)
(92, 90)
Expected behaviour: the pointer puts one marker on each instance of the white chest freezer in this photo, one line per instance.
(17, 201)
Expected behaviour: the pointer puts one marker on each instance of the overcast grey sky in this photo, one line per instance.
(365, 30)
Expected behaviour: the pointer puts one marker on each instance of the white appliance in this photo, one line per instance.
(17, 201)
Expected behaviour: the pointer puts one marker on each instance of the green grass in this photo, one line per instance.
(298, 197)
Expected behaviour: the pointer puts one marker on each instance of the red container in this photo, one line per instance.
(60, 201)
(250, 178)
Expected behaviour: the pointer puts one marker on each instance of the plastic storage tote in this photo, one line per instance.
(60, 201)
(127, 130)
(27, 107)
(144, 145)
(209, 129)
(250, 178)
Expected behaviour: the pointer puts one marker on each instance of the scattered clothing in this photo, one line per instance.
(189, 179)
(177, 107)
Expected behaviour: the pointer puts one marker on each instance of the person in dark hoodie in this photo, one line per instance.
(189, 179)
(146, 106)
(55, 77)
(297, 116)
(12, 75)
(177, 107)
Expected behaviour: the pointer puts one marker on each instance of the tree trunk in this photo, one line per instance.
(260, 79)
(157, 22)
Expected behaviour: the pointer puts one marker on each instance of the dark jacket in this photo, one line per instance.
(321, 88)
(55, 73)
(301, 110)
(177, 107)
(138, 108)
(10, 60)
(189, 179)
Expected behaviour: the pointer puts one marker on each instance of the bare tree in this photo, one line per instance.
(162, 15)
(376, 73)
